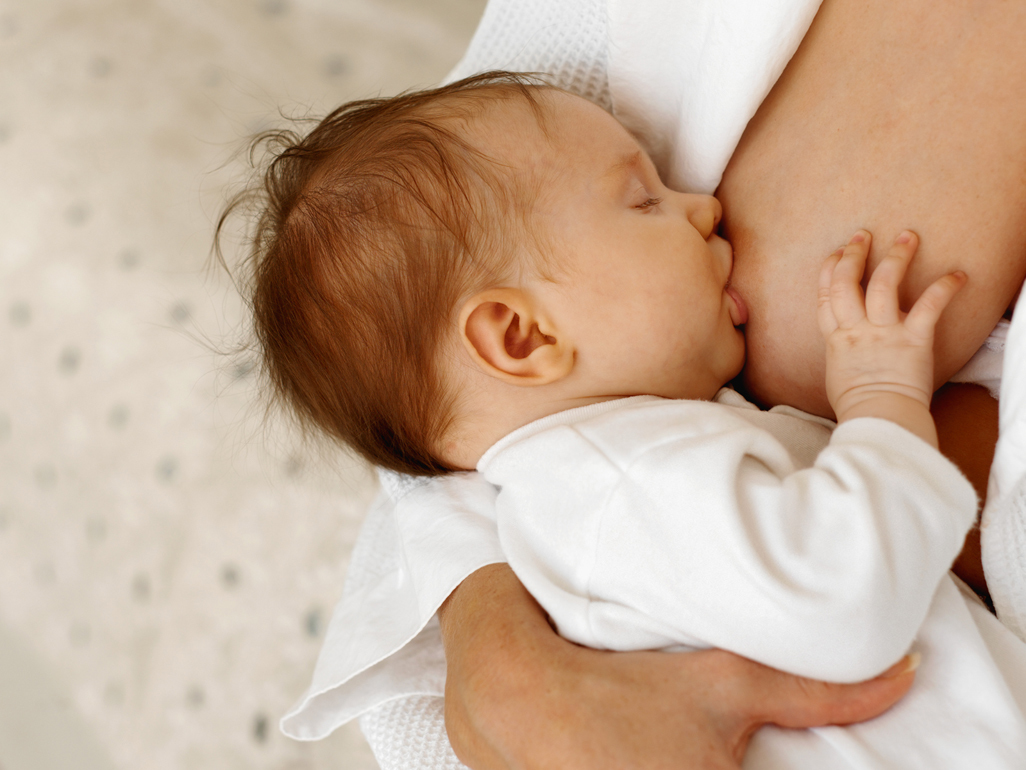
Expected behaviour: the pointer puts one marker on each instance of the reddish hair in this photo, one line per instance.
(368, 232)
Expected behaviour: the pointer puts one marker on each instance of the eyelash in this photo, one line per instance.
(650, 202)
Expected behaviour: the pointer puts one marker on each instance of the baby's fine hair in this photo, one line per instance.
(367, 233)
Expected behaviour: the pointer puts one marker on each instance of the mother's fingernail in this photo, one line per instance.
(909, 663)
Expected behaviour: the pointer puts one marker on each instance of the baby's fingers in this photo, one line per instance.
(846, 298)
(882, 293)
(923, 316)
(827, 322)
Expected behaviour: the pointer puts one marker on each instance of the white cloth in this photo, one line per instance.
(985, 367)
(383, 641)
(1003, 522)
(567, 42)
(686, 77)
(645, 523)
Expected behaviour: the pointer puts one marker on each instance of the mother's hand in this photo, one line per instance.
(519, 696)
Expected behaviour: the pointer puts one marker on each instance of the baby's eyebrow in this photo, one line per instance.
(618, 177)
(626, 162)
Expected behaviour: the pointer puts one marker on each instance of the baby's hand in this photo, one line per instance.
(879, 359)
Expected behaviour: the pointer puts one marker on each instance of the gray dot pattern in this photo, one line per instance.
(20, 313)
(172, 554)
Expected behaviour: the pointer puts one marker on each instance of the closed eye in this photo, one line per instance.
(649, 203)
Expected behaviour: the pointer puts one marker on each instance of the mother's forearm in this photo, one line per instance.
(493, 633)
(519, 696)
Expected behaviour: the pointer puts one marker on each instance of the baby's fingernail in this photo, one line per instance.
(905, 237)
(909, 663)
(839, 252)
(859, 237)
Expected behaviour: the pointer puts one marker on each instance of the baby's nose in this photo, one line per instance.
(705, 214)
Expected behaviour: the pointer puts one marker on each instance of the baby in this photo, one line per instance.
(491, 275)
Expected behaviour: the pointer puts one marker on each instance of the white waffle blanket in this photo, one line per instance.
(687, 77)
(1004, 516)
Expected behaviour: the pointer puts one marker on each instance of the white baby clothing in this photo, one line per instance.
(646, 523)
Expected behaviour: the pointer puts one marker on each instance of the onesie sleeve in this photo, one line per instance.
(713, 539)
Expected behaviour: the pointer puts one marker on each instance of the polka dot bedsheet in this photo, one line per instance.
(168, 557)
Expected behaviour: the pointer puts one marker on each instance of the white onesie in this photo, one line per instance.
(647, 523)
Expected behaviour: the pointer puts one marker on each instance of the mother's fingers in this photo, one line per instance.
(846, 299)
(751, 695)
(775, 697)
(882, 293)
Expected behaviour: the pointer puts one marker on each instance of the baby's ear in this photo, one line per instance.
(510, 340)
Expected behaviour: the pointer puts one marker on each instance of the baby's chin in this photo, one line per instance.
(734, 377)
(740, 367)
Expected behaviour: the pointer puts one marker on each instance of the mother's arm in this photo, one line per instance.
(518, 696)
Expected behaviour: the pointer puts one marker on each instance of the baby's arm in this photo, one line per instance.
(880, 359)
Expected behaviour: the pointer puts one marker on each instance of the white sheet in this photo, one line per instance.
(1004, 516)
(687, 77)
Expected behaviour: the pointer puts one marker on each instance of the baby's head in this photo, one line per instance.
(435, 270)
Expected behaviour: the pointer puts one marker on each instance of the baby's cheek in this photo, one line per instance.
(741, 351)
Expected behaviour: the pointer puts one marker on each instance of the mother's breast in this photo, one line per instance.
(891, 115)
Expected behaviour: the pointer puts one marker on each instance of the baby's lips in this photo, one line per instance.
(739, 316)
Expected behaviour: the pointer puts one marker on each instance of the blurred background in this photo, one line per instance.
(168, 560)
